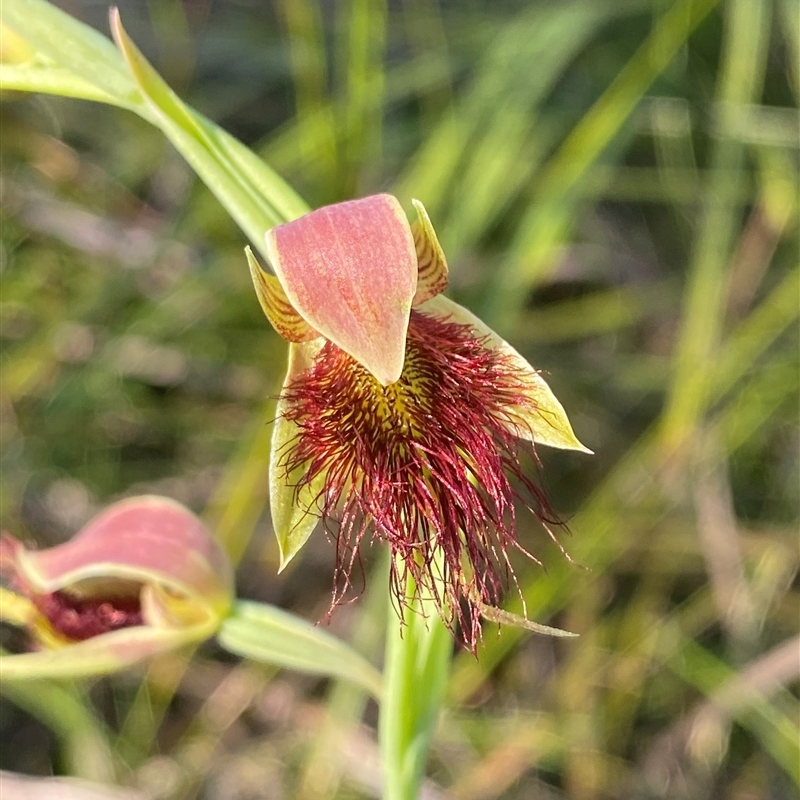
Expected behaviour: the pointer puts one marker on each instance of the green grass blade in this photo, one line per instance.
(418, 655)
(208, 151)
(308, 59)
(361, 53)
(550, 216)
(753, 710)
(68, 713)
(255, 196)
(537, 44)
(605, 523)
(740, 83)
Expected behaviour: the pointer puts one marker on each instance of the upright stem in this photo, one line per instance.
(416, 667)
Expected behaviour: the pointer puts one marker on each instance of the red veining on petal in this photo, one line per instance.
(276, 306)
(432, 273)
(83, 618)
(427, 464)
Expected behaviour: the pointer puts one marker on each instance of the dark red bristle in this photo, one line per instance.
(428, 464)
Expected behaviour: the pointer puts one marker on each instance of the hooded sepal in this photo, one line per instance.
(142, 577)
(350, 270)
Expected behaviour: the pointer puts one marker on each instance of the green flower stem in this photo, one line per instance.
(418, 653)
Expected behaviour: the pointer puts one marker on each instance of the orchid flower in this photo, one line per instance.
(143, 577)
(402, 416)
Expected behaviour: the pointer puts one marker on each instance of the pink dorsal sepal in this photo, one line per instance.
(350, 270)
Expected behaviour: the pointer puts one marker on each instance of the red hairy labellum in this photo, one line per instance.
(78, 619)
(429, 464)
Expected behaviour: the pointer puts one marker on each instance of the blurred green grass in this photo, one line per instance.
(617, 193)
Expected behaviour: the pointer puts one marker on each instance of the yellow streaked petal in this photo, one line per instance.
(276, 306)
(432, 274)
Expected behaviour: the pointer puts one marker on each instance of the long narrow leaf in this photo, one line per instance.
(49, 79)
(273, 636)
(208, 151)
(85, 64)
(75, 47)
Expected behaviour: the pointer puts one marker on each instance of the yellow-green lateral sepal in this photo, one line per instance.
(101, 655)
(545, 421)
(293, 501)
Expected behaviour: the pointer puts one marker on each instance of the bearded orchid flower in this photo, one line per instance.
(143, 577)
(402, 415)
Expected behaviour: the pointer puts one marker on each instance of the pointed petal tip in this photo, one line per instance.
(550, 426)
(546, 422)
(290, 544)
(386, 377)
(117, 31)
(564, 439)
(285, 560)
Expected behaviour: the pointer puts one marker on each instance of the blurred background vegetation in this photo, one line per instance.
(615, 186)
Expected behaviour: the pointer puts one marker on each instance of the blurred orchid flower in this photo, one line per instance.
(402, 415)
(143, 577)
